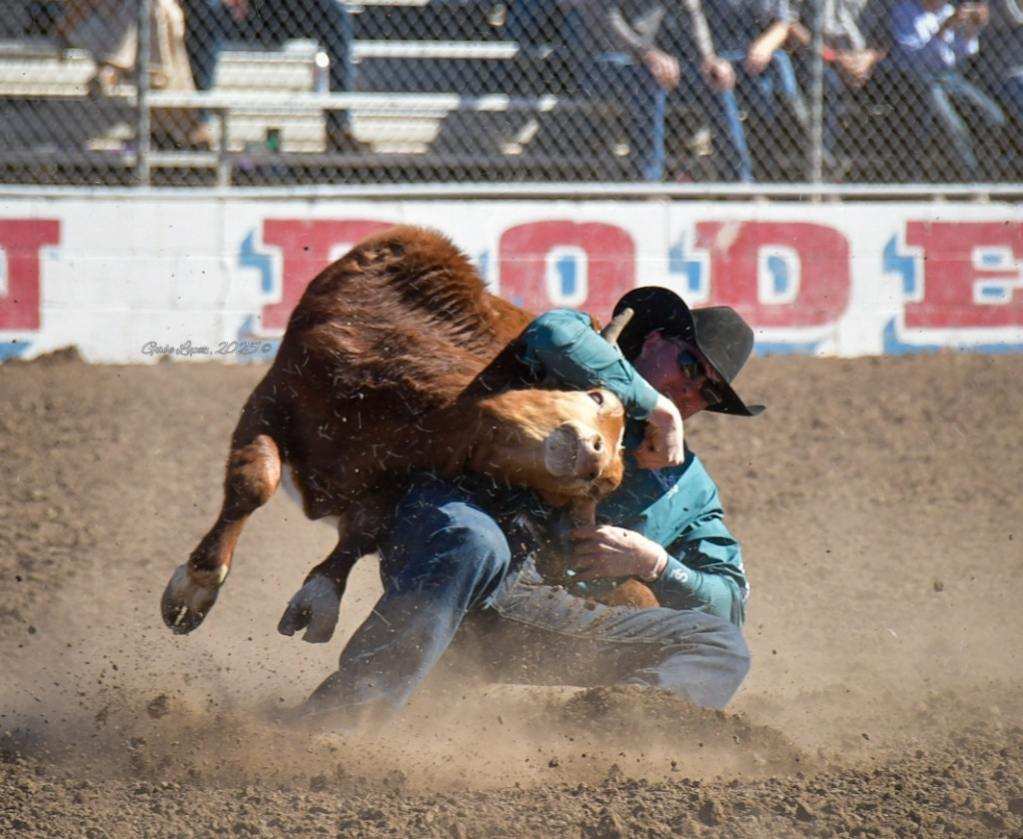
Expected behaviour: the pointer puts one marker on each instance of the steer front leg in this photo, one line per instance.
(253, 474)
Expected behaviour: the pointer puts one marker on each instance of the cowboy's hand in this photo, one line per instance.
(663, 443)
(606, 551)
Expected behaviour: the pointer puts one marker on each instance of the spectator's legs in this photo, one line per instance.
(205, 24)
(834, 98)
(444, 557)
(941, 93)
(616, 78)
(961, 89)
(731, 149)
(788, 88)
(729, 136)
(332, 27)
(648, 120)
(992, 162)
(203, 39)
(1012, 95)
(330, 24)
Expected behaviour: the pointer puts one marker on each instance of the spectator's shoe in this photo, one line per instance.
(344, 142)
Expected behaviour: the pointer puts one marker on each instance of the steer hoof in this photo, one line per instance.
(316, 605)
(185, 603)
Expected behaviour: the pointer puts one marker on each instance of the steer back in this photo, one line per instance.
(397, 359)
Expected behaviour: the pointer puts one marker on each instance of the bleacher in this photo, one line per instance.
(443, 93)
(461, 101)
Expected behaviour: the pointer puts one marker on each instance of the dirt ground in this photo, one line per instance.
(879, 504)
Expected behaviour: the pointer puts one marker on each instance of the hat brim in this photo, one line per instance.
(658, 308)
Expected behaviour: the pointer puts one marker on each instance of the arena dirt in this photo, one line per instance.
(879, 504)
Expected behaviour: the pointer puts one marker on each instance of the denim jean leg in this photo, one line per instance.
(555, 637)
(444, 558)
(960, 88)
(729, 136)
(1012, 95)
(326, 21)
(332, 28)
(788, 87)
(944, 111)
(704, 662)
(206, 23)
(651, 106)
(617, 78)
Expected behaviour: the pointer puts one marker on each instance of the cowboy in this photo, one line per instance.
(461, 558)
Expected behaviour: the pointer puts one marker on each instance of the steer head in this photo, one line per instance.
(567, 445)
(564, 444)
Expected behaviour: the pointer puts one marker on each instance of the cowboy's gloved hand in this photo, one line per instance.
(605, 551)
(663, 444)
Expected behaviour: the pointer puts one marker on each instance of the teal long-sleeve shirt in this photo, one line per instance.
(677, 507)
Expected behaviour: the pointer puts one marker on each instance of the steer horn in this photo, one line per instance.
(611, 332)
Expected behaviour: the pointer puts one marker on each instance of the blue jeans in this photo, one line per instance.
(209, 22)
(449, 568)
(1012, 95)
(617, 76)
(941, 93)
(760, 95)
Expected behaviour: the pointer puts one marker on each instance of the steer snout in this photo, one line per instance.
(590, 456)
(573, 450)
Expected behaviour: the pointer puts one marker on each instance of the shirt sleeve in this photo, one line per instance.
(700, 29)
(964, 46)
(924, 49)
(624, 34)
(562, 343)
(705, 572)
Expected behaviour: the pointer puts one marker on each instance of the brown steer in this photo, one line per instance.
(395, 359)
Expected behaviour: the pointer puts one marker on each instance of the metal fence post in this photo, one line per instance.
(822, 8)
(142, 117)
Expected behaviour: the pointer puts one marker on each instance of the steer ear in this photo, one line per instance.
(611, 332)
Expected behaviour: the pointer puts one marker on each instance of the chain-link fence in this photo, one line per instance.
(200, 92)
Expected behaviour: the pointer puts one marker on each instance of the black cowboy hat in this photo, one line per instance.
(718, 332)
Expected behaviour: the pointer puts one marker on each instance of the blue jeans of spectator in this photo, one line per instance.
(209, 22)
(941, 93)
(835, 94)
(449, 567)
(761, 95)
(618, 77)
(1012, 95)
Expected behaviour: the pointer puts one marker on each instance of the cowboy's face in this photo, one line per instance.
(658, 363)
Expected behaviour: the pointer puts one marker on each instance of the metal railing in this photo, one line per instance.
(196, 93)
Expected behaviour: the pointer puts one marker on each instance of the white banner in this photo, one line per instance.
(128, 279)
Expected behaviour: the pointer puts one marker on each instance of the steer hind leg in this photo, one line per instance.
(316, 606)
(253, 474)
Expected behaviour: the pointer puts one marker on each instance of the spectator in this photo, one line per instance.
(746, 65)
(108, 30)
(209, 22)
(930, 38)
(619, 54)
(1004, 53)
(852, 52)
